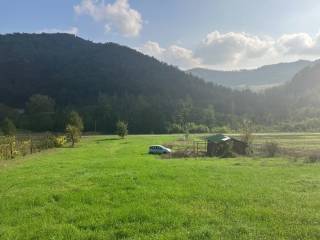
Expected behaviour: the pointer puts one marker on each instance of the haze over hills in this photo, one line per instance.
(303, 91)
(255, 79)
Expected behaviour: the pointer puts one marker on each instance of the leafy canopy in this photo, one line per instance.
(8, 128)
(122, 129)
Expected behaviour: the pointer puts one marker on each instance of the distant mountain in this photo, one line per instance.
(256, 79)
(296, 101)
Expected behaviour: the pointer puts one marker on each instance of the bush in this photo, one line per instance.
(313, 158)
(188, 128)
(175, 128)
(24, 147)
(59, 141)
(270, 149)
(225, 150)
(198, 128)
(8, 148)
(221, 130)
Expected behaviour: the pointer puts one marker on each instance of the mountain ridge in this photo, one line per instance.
(255, 79)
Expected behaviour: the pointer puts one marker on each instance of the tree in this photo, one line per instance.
(40, 110)
(183, 111)
(122, 129)
(74, 127)
(75, 120)
(73, 134)
(6, 111)
(208, 116)
(40, 104)
(8, 128)
(247, 133)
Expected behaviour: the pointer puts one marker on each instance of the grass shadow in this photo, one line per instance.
(107, 139)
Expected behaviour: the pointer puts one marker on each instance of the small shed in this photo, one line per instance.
(219, 144)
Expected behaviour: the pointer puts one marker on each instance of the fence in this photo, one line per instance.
(21, 145)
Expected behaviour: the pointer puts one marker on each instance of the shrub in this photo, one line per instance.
(9, 149)
(313, 158)
(188, 128)
(221, 130)
(198, 128)
(175, 128)
(60, 141)
(270, 149)
(48, 141)
(24, 147)
(225, 150)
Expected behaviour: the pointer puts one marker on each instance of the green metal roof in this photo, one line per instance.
(218, 138)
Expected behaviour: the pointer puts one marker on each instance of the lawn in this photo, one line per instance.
(109, 188)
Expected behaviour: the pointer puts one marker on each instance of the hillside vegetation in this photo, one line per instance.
(43, 77)
(105, 82)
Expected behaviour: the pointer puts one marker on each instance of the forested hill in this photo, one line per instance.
(106, 82)
(256, 79)
(74, 71)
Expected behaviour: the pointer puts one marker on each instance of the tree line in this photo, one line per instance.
(139, 115)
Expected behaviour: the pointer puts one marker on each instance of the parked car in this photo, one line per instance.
(159, 149)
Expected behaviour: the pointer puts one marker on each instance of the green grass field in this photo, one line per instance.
(107, 188)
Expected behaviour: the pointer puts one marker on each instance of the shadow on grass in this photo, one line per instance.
(68, 147)
(107, 139)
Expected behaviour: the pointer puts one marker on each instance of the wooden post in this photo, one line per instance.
(197, 148)
(194, 148)
(31, 145)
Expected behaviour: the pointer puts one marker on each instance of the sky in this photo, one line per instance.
(216, 34)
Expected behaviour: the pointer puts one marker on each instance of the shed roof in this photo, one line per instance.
(218, 138)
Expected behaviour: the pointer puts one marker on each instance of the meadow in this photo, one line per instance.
(110, 188)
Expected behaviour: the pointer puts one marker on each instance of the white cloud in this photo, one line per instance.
(72, 30)
(232, 47)
(182, 57)
(119, 16)
(174, 55)
(152, 49)
(298, 44)
(238, 50)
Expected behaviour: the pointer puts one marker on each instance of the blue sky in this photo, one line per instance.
(221, 34)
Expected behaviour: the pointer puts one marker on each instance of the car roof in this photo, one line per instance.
(157, 146)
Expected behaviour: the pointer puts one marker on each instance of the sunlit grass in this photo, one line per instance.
(107, 188)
